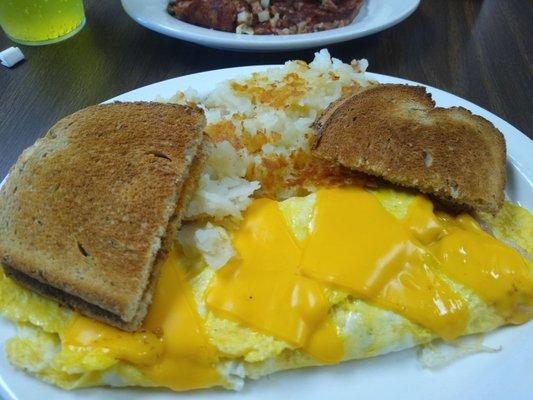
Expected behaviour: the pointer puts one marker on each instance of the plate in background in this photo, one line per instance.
(502, 375)
(374, 16)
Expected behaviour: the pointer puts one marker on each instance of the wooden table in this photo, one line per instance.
(479, 50)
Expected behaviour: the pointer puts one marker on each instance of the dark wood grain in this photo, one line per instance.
(479, 50)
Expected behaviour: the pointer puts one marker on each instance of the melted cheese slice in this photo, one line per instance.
(171, 349)
(470, 256)
(263, 289)
(357, 245)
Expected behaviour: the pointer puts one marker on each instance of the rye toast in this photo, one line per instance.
(395, 132)
(88, 212)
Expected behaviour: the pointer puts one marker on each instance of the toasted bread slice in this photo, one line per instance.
(88, 212)
(395, 132)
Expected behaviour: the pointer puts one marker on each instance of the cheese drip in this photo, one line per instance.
(171, 349)
(495, 272)
(263, 289)
(354, 243)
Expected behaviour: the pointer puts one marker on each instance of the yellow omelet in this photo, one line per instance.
(256, 315)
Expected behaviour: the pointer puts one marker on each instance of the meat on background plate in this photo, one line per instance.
(266, 17)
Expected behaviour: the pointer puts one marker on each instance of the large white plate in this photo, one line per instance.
(503, 375)
(375, 16)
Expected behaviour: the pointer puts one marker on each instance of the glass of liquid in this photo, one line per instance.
(36, 22)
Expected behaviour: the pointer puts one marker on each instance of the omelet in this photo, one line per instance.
(288, 297)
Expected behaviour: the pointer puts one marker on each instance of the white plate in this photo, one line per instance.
(503, 375)
(375, 16)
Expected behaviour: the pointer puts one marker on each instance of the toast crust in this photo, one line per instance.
(395, 132)
(174, 224)
(87, 209)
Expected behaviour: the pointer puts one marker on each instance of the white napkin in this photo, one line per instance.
(11, 56)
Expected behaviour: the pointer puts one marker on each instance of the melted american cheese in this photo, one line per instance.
(263, 289)
(278, 283)
(171, 349)
(357, 245)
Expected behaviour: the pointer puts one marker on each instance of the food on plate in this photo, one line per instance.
(395, 132)
(89, 212)
(285, 260)
(266, 17)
